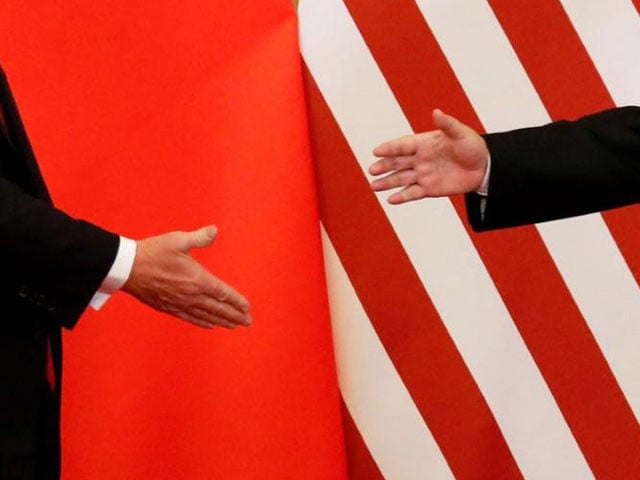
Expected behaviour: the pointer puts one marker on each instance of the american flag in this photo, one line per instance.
(503, 355)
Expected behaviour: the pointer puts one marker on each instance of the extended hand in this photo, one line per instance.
(447, 161)
(167, 278)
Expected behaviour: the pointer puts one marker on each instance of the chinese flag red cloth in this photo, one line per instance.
(172, 116)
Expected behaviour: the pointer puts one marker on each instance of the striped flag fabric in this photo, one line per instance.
(504, 355)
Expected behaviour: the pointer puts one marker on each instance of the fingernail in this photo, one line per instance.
(206, 234)
(211, 231)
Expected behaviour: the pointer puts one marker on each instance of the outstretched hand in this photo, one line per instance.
(165, 277)
(449, 160)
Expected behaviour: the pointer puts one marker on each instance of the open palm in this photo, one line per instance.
(446, 161)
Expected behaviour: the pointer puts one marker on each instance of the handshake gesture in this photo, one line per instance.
(449, 160)
(165, 277)
(446, 161)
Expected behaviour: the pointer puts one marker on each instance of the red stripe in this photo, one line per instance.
(553, 57)
(360, 462)
(547, 317)
(569, 86)
(612, 438)
(400, 310)
(623, 223)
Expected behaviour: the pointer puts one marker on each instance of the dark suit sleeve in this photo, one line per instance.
(561, 170)
(51, 263)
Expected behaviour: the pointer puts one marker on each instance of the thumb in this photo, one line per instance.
(451, 127)
(202, 237)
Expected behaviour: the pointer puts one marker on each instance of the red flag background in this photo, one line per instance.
(153, 116)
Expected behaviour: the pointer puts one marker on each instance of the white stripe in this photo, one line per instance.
(610, 31)
(377, 399)
(473, 43)
(569, 242)
(606, 293)
(442, 253)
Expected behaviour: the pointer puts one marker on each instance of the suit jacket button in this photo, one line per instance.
(51, 306)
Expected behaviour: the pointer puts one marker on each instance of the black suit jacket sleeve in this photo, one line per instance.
(51, 263)
(560, 170)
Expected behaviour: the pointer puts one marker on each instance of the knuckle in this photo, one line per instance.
(223, 295)
(217, 290)
(191, 285)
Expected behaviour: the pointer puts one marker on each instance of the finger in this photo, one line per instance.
(220, 291)
(203, 318)
(221, 322)
(215, 320)
(412, 192)
(202, 237)
(195, 321)
(223, 310)
(396, 179)
(400, 146)
(451, 126)
(388, 164)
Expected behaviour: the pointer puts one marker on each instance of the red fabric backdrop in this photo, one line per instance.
(151, 116)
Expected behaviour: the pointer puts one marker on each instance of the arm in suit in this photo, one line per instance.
(536, 174)
(561, 170)
(51, 264)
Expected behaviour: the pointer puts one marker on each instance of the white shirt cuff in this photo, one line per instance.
(483, 191)
(484, 186)
(118, 275)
